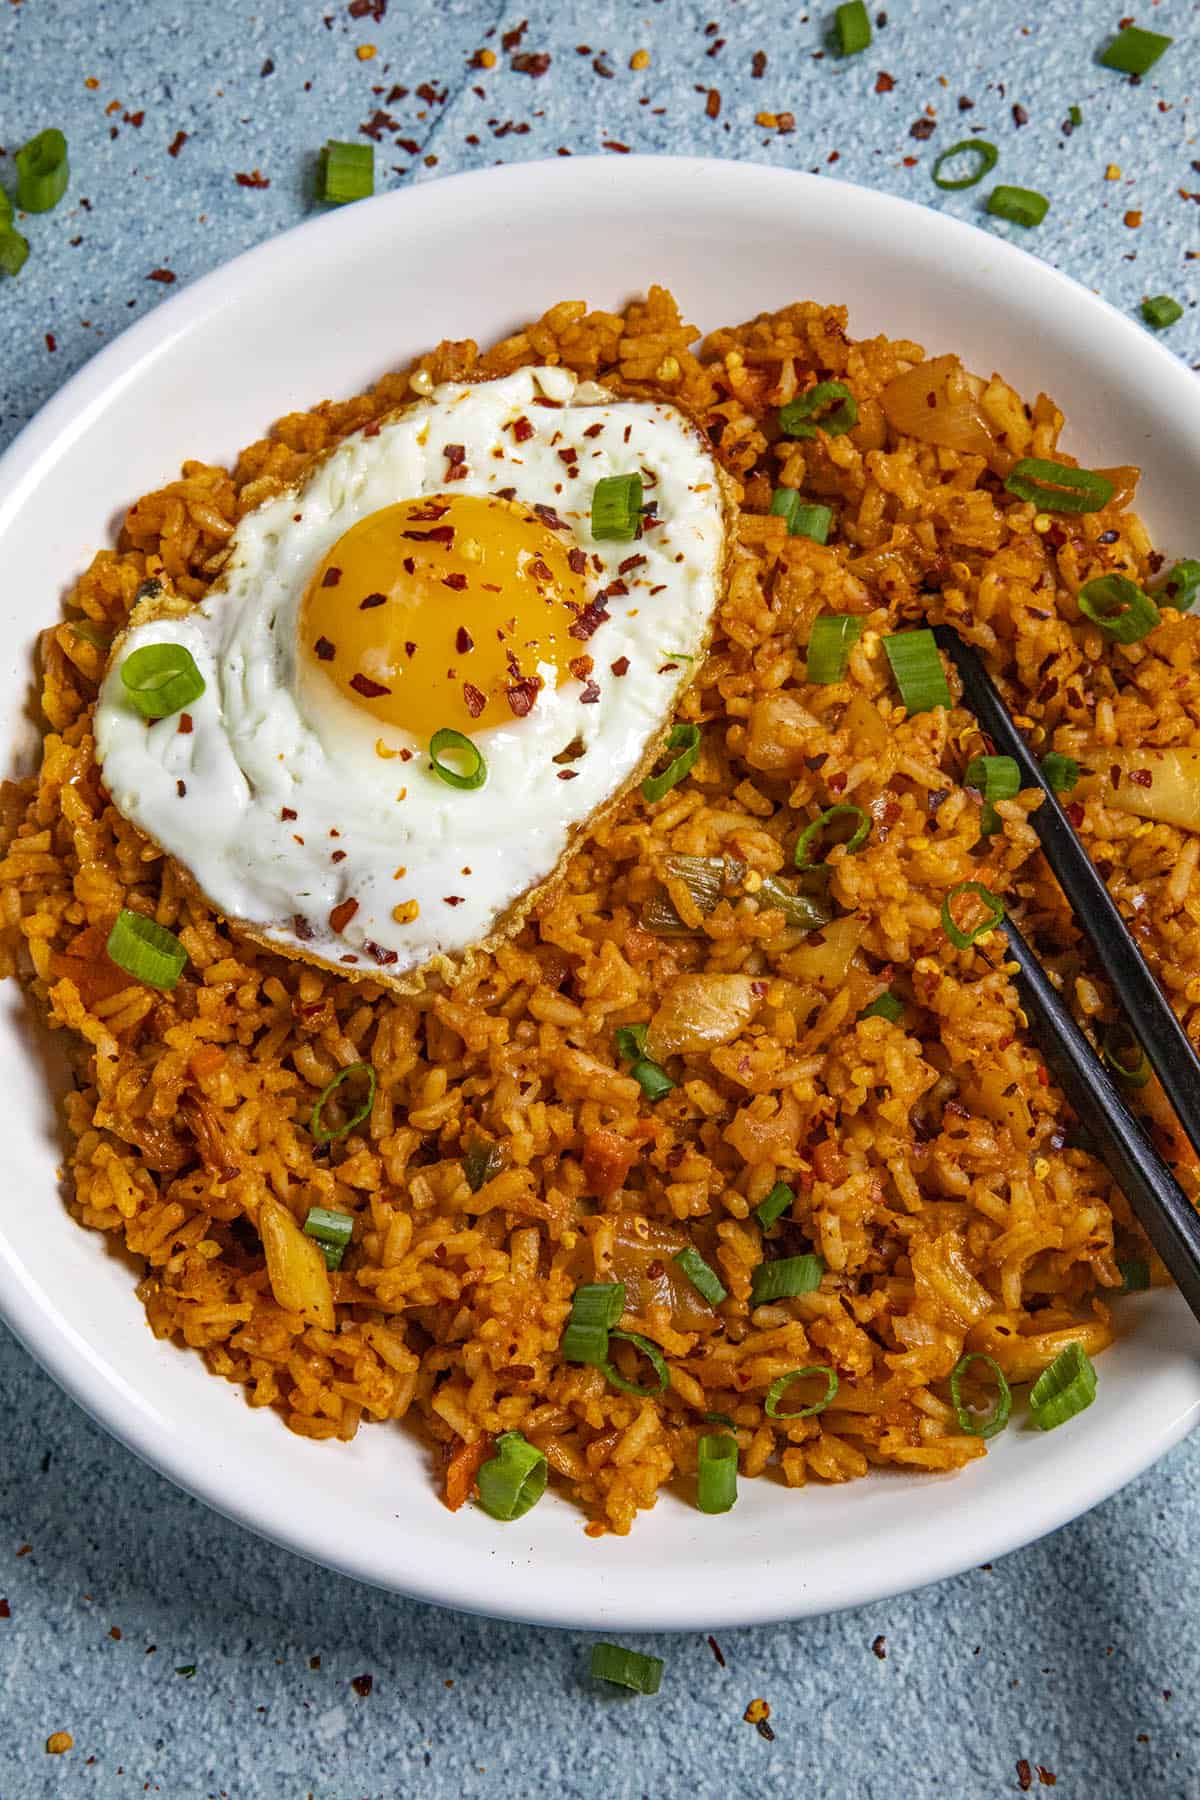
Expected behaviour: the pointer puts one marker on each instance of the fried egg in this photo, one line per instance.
(434, 573)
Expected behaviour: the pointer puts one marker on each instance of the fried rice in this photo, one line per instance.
(509, 1155)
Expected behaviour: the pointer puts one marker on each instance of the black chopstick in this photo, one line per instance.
(1147, 1010)
(1164, 1211)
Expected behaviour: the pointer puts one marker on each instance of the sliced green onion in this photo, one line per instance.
(514, 1479)
(703, 1278)
(1062, 772)
(146, 950)
(90, 632)
(781, 1199)
(481, 1161)
(14, 249)
(830, 405)
(6, 210)
(715, 1418)
(1119, 607)
(805, 912)
(1067, 1387)
(686, 740)
(987, 156)
(1020, 206)
(653, 1355)
(962, 940)
(1135, 1276)
(1124, 1055)
(42, 172)
(853, 27)
(1075, 116)
(888, 1006)
(627, 1668)
(345, 172)
(716, 1472)
(785, 1279)
(1161, 310)
(617, 507)
(652, 1079)
(630, 1042)
(784, 502)
(812, 522)
(161, 679)
(997, 1419)
(1133, 50)
(316, 1125)
(997, 778)
(830, 642)
(595, 1309)
(1053, 487)
(918, 670)
(457, 744)
(780, 1386)
(332, 1231)
(1181, 586)
(842, 824)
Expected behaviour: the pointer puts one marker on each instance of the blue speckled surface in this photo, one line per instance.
(1081, 1654)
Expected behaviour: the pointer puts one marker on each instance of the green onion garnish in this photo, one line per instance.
(481, 1161)
(842, 824)
(332, 1231)
(1119, 607)
(1020, 206)
(785, 1279)
(781, 1199)
(90, 632)
(715, 1418)
(962, 940)
(853, 28)
(1124, 1055)
(472, 772)
(1053, 487)
(812, 522)
(1161, 310)
(997, 1419)
(14, 249)
(513, 1479)
(918, 670)
(652, 1079)
(1181, 586)
(888, 1006)
(780, 1386)
(997, 778)
(1075, 116)
(987, 156)
(42, 172)
(716, 1472)
(630, 1042)
(627, 1668)
(830, 405)
(617, 507)
(653, 1355)
(161, 679)
(703, 1278)
(146, 950)
(1067, 1387)
(595, 1309)
(1062, 772)
(686, 740)
(1133, 50)
(830, 642)
(784, 502)
(1135, 1276)
(345, 172)
(318, 1129)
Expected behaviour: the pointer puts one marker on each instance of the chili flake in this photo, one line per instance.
(255, 179)
(362, 1685)
(712, 104)
(531, 62)
(884, 83)
(177, 142)
(370, 690)
(340, 916)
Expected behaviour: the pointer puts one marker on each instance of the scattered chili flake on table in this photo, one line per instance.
(884, 83)
(1047, 1777)
(712, 103)
(532, 62)
(5, 1610)
(163, 275)
(51, 344)
(177, 142)
(922, 129)
(716, 1650)
(255, 179)
(362, 1685)
(1024, 1775)
(880, 1647)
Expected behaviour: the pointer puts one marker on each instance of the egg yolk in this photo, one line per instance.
(451, 610)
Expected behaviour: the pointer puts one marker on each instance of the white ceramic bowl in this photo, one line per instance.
(321, 311)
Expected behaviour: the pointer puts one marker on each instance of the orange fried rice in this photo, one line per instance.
(509, 1154)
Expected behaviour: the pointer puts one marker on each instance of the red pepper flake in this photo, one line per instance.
(177, 142)
(463, 641)
(836, 783)
(568, 456)
(475, 701)
(879, 1647)
(166, 276)
(1019, 116)
(1047, 1777)
(590, 694)
(457, 581)
(362, 1685)
(301, 927)
(602, 69)
(712, 103)
(1141, 778)
(522, 694)
(338, 856)
(377, 124)
(922, 129)
(576, 561)
(410, 649)
(185, 726)
(581, 667)
(532, 62)
(540, 569)
(441, 534)
(614, 144)
(5, 1610)
(1075, 813)
(621, 666)
(325, 650)
(370, 601)
(342, 914)
(512, 37)
(370, 690)
(547, 514)
(378, 954)
(454, 454)
(884, 83)
(614, 587)
(589, 618)
(631, 562)
(181, 789)
(51, 341)
(567, 774)
(594, 430)
(331, 578)
(288, 812)
(712, 1642)
(521, 429)
(453, 899)
(363, 9)
(910, 162)
(255, 179)
(1024, 1775)
(268, 68)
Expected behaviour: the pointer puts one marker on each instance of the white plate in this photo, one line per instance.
(321, 311)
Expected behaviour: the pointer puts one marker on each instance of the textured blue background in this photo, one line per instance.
(1082, 1654)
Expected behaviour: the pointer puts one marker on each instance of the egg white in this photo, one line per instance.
(267, 741)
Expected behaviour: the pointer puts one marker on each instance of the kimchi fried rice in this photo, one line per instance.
(916, 1153)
